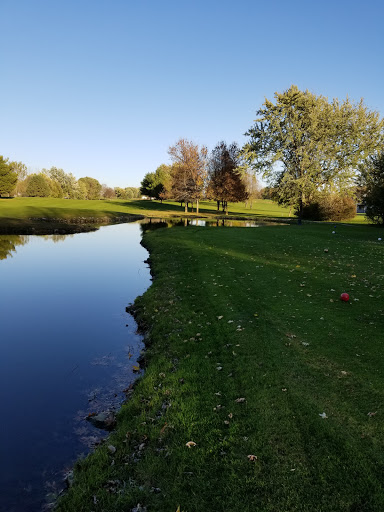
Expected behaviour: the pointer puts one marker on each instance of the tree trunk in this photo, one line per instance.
(218, 206)
(226, 207)
(197, 206)
(300, 210)
(185, 207)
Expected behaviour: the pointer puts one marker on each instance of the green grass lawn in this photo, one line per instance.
(17, 211)
(252, 356)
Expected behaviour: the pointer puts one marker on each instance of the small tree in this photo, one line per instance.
(92, 187)
(107, 192)
(252, 187)
(38, 186)
(188, 172)
(147, 187)
(225, 181)
(8, 177)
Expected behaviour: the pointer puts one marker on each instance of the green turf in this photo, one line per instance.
(22, 208)
(248, 344)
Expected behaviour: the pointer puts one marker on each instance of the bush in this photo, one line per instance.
(374, 193)
(330, 207)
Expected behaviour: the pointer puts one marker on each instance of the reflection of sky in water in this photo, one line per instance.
(63, 341)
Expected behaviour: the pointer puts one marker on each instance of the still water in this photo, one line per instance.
(67, 348)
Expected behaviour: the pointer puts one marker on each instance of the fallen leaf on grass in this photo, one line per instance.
(230, 415)
(190, 444)
(252, 458)
(136, 369)
(370, 414)
(220, 317)
(323, 415)
(240, 400)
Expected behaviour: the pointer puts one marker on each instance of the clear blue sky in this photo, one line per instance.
(103, 88)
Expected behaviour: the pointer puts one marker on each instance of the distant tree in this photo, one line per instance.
(107, 192)
(22, 173)
(303, 144)
(67, 181)
(120, 193)
(38, 186)
(189, 172)
(163, 182)
(8, 177)
(252, 187)
(55, 188)
(225, 181)
(92, 186)
(81, 190)
(372, 178)
(269, 193)
(157, 184)
(20, 169)
(147, 187)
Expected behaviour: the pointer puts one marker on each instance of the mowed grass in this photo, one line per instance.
(252, 356)
(23, 208)
(17, 211)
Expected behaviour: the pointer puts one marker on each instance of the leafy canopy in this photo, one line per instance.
(302, 143)
(8, 177)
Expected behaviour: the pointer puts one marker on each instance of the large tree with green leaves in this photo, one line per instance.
(302, 144)
(67, 181)
(38, 186)
(157, 184)
(92, 187)
(8, 177)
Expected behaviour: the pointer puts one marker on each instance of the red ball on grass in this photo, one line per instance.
(344, 297)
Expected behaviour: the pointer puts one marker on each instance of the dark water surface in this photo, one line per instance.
(65, 350)
(67, 347)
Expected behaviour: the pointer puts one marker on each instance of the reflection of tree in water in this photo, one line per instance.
(9, 243)
(56, 238)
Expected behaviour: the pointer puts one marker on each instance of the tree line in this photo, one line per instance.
(319, 158)
(54, 182)
(195, 175)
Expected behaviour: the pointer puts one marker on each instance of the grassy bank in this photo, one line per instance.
(23, 214)
(253, 357)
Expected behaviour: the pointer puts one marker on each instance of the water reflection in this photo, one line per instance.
(156, 223)
(9, 243)
(67, 349)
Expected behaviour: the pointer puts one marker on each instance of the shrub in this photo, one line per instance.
(330, 207)
(374, 195)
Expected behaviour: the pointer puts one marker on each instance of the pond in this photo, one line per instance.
(67, 348)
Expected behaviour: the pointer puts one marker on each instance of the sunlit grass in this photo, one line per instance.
(23, 208)
(252, 353)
